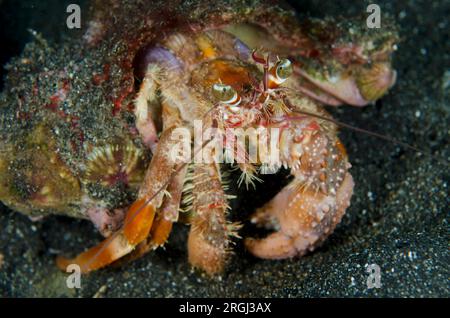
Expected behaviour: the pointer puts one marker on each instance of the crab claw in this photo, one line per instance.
(306, 211)
(304, 219)
(137, 225)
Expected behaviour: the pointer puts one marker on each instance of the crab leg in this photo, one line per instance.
(167, 215)
(140, 216)
(169, 210)
(144, 121)
(306, 211)
(208, 237)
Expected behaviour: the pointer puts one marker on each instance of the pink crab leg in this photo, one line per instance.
(144, 121)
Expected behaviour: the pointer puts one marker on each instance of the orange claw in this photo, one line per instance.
(159, 234)
(160, 231)
(137, 225)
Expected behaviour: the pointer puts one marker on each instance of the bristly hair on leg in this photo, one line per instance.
(248, 175)
(187, 195)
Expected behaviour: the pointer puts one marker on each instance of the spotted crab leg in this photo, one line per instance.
(208, 240)
(307, 210)
(305, 219)
(139, 218)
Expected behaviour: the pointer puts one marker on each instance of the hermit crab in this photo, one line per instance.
(92, 129)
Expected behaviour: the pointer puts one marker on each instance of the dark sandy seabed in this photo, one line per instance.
(399, 213)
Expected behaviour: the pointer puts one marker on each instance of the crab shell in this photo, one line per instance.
(70, 144)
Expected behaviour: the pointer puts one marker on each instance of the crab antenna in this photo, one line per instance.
(266, 74)
(365, 131)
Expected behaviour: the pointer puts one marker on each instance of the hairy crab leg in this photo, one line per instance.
(139, 219)
(307, 210)
(208, 238)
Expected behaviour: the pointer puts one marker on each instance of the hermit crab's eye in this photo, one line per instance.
(224, 93)
(284, 69)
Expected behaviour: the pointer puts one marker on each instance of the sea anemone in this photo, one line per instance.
(116, 163)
